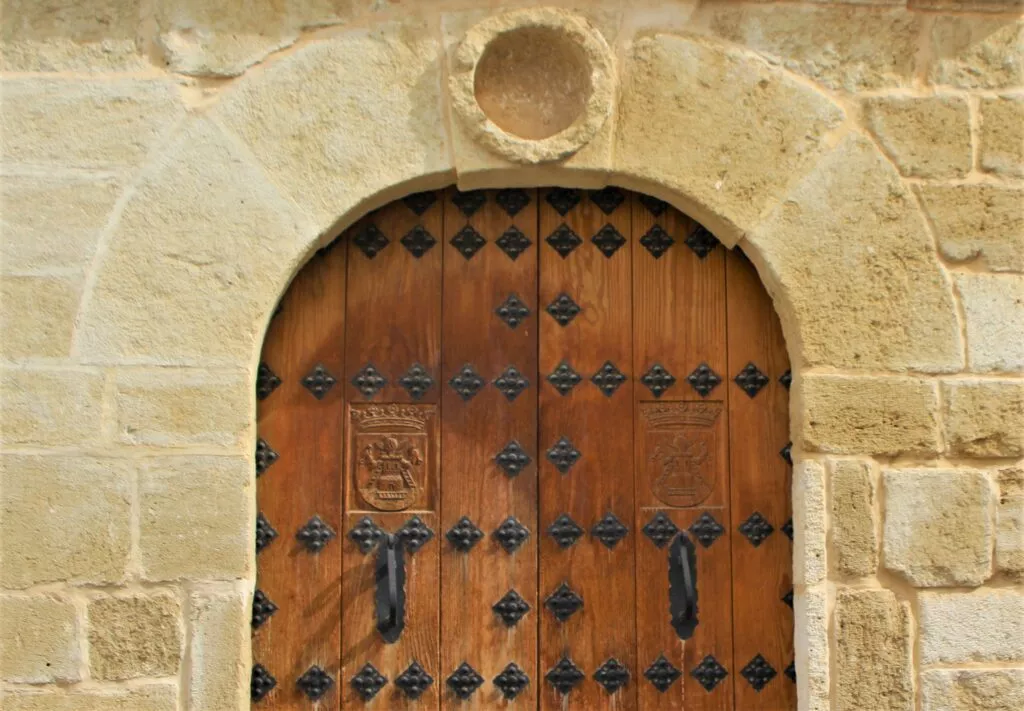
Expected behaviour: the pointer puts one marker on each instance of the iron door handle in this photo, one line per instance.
(682, 586)
(390, 576)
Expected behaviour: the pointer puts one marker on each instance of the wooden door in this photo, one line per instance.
(524, 449)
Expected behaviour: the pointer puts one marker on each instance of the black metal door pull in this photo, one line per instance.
(682, 585)
(390, 577)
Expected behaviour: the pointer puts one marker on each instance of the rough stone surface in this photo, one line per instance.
(104, 125)
(220, 625)
(1010, 523)
(984, 418)
(150, 697)
(134, 635)
(37, 316)
(1002, 136)
(853, 517)
(980, 626)
(743, 147)
(196, 518)
(50, 407)
(170, 407)
(925, 137)
(994, 343)
(885, 416)
(873, 648)
(50, 510)
(38, 639)
(811, 639)
(972, 689)
(977, 53)
(972, 221)
(163, 269)
(809, 523)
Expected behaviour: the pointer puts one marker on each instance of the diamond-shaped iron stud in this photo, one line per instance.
(564, 676)
(612, 675)
(261, 683)
(751, 380)
(511, 534)
(315, 534)
(467, 382)
(758, 672)
(786, 379)
(787, 528)
(787, 453)
(318, 381)
(701, 242)
(464, 534)
(266, 381)
(788, 598)
(706, 529)
(416, 381)
(414, 534)
(511, 681)
(608, 378)
(418, 241)
(790, 671)
(470, 201)
(564, 378)
(511, 383)
(609, 530)
(660, 530)
(563, 199)
(511, 608)
(563, 309)
(657, 241)
(414, 681)
(658, 380)
(513, 243)
(468, 241)
(756, 529)
(512, 311)
(368, 681)
(512, 458)
(708, 673)
(703, 380)
(653, 204)
(512, 200)
(464, 681)
(662, 674)
(420, 202)
(563, 455)
(563, 240)
(262, 608)
(265, 533)
(265, 456)
(314, 683)
(565, 531)
(563, 602)
(369, 380)
(370, 240)
(365, 534)
(608, 240)
(607, 199)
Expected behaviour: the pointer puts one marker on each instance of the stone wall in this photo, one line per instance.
(168, 167)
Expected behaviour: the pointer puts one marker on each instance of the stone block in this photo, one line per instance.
(38, 639)
(52, 222)
(50, 511)
(37, 316)
(926, 137)
(873, 645)
(865, 415)
(984, 418)
(986, 625)
(972, 689)
(148, 697)
(938, 526)
(169, 407)
(134, 635)
(1002, 137)
(978, 221)
(977, 52)
(1010, 523)
(810, 612)
(196, 518)
(220, 627)
(109, 124)
(50, 407)
(994, 310)
(968, 5)
(809, 523)
(854, 521)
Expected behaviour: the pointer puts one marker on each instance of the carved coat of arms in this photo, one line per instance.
(680, 450)
(392, 465)
(389, 454)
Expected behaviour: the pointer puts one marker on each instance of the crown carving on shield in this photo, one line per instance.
(376, 416)
(675, 414)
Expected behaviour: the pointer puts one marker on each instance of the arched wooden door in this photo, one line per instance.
(524, 449)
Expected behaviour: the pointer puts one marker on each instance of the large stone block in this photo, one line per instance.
(38, 639)
(972, 221)
(148, 697)
(37, 316)
(220, 626)
(977, 52)
(1002, 136)
(984, 418)
(865, 415)
(64, 518)
(926, 137)
(1010, 523)
(873, 646)
(169, 407)
(347, 124)
(134, 635)
(982, 626)
(855, 269)
(200, 255)
(854, 522)
(972, 689)
(809, 522)
(50, 407)
(994, 310)
(748, 128)
(938, 526)
(196, 518)
(108, 124)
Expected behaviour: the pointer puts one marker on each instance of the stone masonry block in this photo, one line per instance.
(220, 627)
(37, 316)
(977, 52)
(972, 221)
(134, 635)
(925, 137)
(810, 612)
(38, 639)
(1010, 523)
(984, 418)
(972, 689)
(148, 697)
(994, 309)
(854, 537)
(1002, 136)
(810, 524)
(50, 407)
(986, 625)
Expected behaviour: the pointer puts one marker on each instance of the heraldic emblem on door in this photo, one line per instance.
(524, 449)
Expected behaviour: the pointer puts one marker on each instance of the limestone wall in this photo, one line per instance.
(169, 165)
